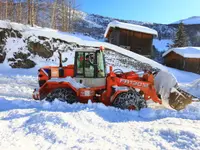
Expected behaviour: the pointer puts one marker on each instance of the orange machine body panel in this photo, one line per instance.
(103, 94)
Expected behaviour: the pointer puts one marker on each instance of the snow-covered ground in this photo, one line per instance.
(26, 123)
(29, 124)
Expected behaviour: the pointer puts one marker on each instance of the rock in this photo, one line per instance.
(2, 57)
(21, 60)
(42, 50)
(23, 64)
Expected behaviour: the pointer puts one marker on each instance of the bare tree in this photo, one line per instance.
(32, 13)
(29, 11)
(18, 8)
(69, 16)
(1, 10)
(6, 17)
(36, 11)
(72, 8)
(64, 16)
(53, 19)
(11, 10)
(57, 14)
(20, 11)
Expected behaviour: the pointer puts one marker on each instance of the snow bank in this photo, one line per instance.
(70, 80)
(183, 77)
(57, 125)
(193, 87)
(129, 26)
(186, 52)
(164, 82)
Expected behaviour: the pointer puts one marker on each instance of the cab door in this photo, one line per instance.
(90, 69)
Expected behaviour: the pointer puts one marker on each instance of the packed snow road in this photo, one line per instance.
(25, 123)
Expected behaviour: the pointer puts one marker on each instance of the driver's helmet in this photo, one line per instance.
(89, 57)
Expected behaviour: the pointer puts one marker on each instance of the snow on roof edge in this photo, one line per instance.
(129, 26)
(186, 52)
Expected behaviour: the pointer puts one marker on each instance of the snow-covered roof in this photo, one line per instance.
(131, 27)
(186, 52)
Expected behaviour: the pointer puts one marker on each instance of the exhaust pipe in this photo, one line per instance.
(60, 59)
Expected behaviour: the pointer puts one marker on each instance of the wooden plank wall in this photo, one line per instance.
(138, 42)
(188, 64)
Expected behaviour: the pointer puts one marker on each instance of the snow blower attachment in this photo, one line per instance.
(87, 80)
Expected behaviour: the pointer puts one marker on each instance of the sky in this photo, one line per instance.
(157, 11)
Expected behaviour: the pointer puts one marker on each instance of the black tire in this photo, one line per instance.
(131, 98)
(62, 94)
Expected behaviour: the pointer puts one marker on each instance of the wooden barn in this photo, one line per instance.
(184, 58)
(135, 38)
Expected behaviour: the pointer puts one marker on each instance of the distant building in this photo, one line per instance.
(135, 38)
(184, 58)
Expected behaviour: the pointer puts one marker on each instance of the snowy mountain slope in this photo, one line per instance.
(85, 26)
(88, 22)
(59, 41)
(189, 21)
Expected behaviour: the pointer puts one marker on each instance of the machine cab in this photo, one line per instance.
(89, 67)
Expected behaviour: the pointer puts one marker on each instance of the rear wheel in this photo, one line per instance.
(130, 100)
(63, 94)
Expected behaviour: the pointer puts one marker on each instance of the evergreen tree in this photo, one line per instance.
(181, 38)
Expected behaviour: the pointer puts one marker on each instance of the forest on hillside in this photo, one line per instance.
(56, 14)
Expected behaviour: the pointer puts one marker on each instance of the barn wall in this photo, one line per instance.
(140, 43)
(174, 60)
(188, 64)
(114, 36)
(192, 64)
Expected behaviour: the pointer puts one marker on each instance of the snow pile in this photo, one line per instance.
(131, 27)
(189, 21)
(187, 81)
(192, 88)
(57, 125)
(70, 80)
(164, 82)
(186, 52)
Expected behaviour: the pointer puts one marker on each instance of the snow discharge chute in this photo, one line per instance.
(171, 95)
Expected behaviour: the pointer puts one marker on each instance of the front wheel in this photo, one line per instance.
(131, 100)
(63, 94)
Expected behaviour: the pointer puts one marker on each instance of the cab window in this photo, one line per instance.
(89, 64)
(80, 59)
(100, 65)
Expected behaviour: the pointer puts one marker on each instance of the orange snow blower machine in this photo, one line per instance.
(87, 80)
